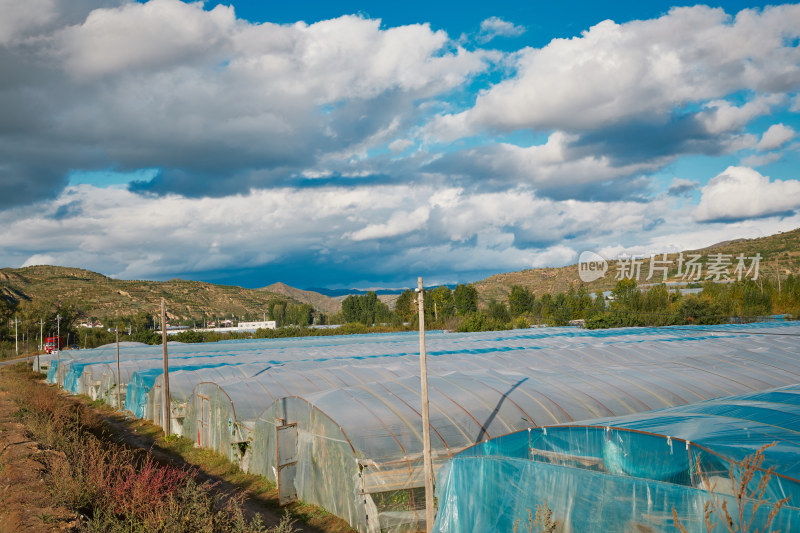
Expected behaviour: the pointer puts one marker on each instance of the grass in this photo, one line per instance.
(542, 522)
(114, 487)
(748, 499)
(214, 464)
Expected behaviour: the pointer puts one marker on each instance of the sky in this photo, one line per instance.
(363, 144)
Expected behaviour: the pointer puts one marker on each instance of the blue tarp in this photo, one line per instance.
(594, 473)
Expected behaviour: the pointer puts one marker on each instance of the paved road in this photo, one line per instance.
(12, 361)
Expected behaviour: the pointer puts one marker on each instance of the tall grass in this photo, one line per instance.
(116, 488)
(749, 498)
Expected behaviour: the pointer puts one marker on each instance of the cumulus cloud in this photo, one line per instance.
(614, 72)
(741, 193)
(399, 223)
(219, 104)
(776, 136)
(379, 231)
(682, 187)
(339, 146)
(20, 18)
(497, 27)
(758, 160)
(557, 168)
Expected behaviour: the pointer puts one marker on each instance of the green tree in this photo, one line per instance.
(465, 298)
(520, 300)
(406, 305)
(498, 311)
(366, 309)
(441, 302)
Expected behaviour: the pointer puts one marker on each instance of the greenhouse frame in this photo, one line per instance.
(336, 421)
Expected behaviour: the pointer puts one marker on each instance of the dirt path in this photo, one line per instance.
(23, 494)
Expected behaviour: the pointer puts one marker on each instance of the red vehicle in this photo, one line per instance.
(53, 343)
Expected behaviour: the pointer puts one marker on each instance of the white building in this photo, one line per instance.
(262, 324)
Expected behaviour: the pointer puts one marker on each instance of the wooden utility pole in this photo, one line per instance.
(165, 387)
(119, 402)
(430, 512)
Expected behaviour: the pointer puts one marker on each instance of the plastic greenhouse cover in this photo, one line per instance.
(659, 446)
(481, 384)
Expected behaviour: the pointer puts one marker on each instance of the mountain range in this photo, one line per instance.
(100, 296)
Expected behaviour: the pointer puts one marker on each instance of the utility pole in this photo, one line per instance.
(41, 345)
(58, 350)
(426, 433)
(166, 367)
(119, 402)
(16, 339)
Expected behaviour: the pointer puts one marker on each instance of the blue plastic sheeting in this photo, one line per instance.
(489, 494)
(664, 446)
(142, 381)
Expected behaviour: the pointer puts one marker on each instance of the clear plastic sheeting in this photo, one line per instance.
(493, 494)
(336, 420)
(594, 474)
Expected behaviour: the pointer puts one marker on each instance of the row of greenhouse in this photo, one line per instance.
(539, 414)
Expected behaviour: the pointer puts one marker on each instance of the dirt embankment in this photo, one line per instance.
(24, 496)
(31, 473)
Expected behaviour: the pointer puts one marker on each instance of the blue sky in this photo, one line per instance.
(365, 143)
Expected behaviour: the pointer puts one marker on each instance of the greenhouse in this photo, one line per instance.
(631, 470)
(336, 420)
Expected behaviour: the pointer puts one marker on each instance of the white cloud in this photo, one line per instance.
(497, 27)
(20, 18)
(401, 222)
(373, 229)
(615, 72)
(720, 116)
(553, 165)
(555, 256)
(136, 36)
(759, 160)
(219, 103)
(39, 259)
(776, 136)
(741, 193)
(400, 145)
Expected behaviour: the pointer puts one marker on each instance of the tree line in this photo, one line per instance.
(455, 309)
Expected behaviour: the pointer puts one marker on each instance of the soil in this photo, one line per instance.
(23, 494)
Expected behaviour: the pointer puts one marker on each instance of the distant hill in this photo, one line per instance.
(318, 301)
(342, 293)
(98, 295)
(780, 252)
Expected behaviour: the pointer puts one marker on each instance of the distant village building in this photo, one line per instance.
(262, 324)
(89, 324)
